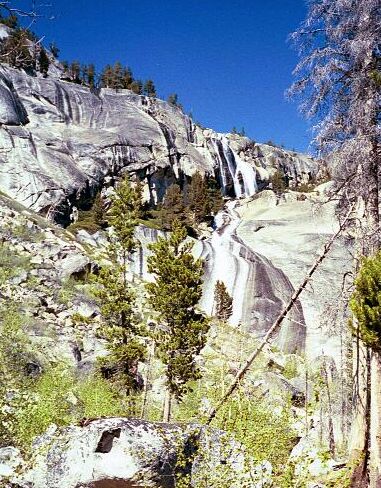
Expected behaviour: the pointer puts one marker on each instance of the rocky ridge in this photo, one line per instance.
(60, 142)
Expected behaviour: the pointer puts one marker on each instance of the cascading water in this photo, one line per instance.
(259, 289)
(242, 174)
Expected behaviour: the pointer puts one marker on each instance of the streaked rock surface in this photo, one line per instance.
(60, 141)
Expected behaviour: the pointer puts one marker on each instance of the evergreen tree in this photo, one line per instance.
(137, 87)
(75, 71)
(366, 301)
(121, 330)
(11, 21)
(99, 213)
(118, 81)
(107, 76)
(15, 50)
(43, 62)
(173, 207)
(223, 302)
(149, 89)
(90, 80)
(127, 77)
(197, 198)
(174, 296)
(173, 99)
(216, 201)
(54, 50)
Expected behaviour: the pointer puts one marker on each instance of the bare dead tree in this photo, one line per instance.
(338, 81)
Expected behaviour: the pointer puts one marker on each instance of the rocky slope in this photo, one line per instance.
(61, 141)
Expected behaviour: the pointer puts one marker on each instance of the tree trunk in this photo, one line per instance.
(167, 406)
(375, 422)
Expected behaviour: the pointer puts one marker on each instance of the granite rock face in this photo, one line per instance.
(61, 141)
(120, 452)
(290, 232)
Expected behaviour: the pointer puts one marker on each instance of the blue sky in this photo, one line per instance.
(228, 60)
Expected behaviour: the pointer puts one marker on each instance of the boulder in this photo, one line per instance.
(120, 452)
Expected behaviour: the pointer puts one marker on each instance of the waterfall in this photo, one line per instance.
(259, 289)
(242, 174)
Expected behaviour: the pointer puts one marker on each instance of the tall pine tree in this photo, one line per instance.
(174, 296)
(121, 330)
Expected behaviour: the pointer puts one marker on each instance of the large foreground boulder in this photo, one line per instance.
(120, 452)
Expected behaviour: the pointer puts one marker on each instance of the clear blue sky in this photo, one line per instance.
(228, 60)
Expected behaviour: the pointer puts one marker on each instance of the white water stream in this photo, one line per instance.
(232, 167)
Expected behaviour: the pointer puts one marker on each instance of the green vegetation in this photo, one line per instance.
(366, 301)
(237, 132)
(173, 100)
(174, 296)
(278, 182)
(197, 203)
(121, 329)
(223, 302)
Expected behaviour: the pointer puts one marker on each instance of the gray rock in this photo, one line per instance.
(10, 461)
(62, 141)
(127, 452)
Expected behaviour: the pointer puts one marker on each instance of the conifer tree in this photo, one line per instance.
(366, 301)
(118, 82)
(137, 87)
(121, 329)
(127, 77)
(174, 296)
(54, 49)
(90, 79)
(99, 212)
(43, 62)
(173, 99)
(149, 89)
(197, 198)
(75, 71)
(173, 207)
(107, 76)
(223, 302)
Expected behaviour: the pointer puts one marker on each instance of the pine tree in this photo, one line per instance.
(173, 207)
(366, 301)
(149, 89)
(107, 76)
(223, 302)
(127, 77)
(90, 78)
(15, 50)
(137, 87)
(174, 296)
(173, 99)
(118, 81)
(121, 329)
(75, 71)
(43, 62)
(99, 212)
(54, 50)
(197, 199)
(216, 201)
